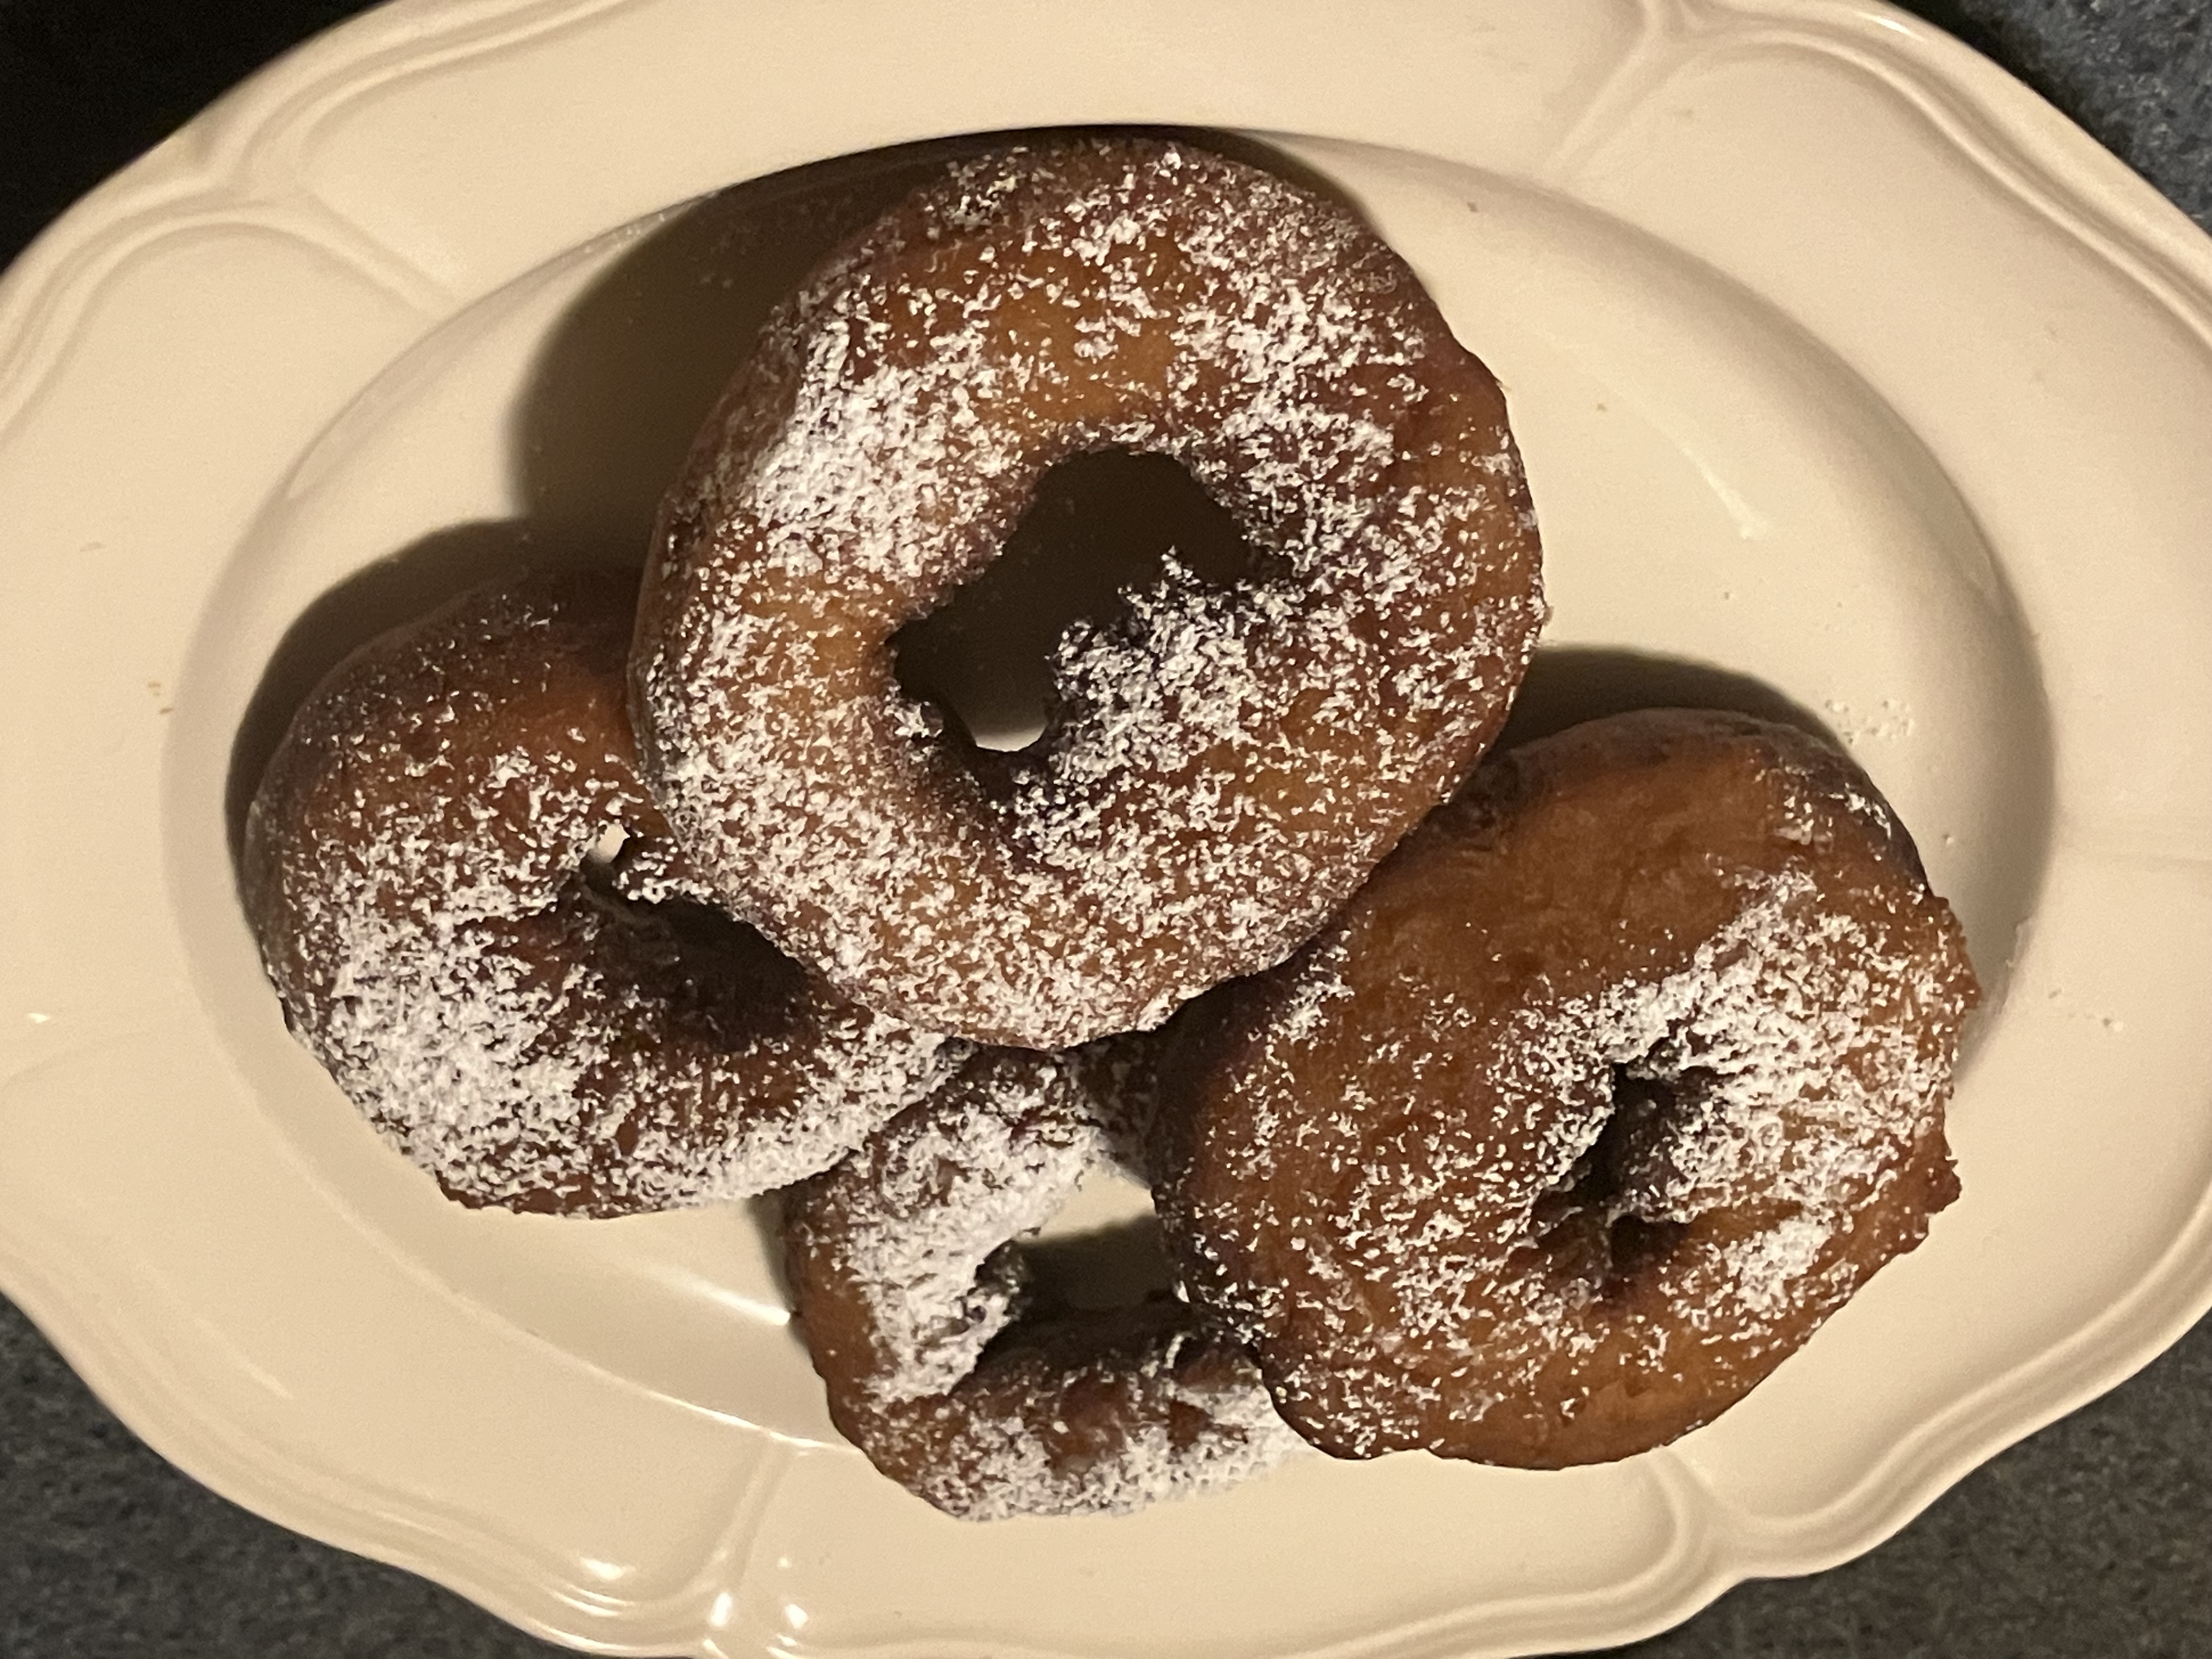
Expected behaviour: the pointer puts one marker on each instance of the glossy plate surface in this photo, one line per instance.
(1848, 373)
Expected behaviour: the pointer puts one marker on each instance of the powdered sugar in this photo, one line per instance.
(945, 1188)
(1223, 766)
(919, 1316)
(998, 1467)
(538, 1025)
(1554, 1193)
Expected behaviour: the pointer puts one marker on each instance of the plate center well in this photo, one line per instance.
(1728, 515)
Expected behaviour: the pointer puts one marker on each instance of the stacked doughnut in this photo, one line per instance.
(1539, 1139)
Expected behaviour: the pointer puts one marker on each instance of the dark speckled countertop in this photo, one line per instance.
(2093, 1538)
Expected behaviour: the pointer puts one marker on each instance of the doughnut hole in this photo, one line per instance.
(1083, 1262)
(1592, 1227)
(1103, 526)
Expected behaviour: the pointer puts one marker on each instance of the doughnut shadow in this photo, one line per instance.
(1567, 684)
(621, 385)
(1118, 1265)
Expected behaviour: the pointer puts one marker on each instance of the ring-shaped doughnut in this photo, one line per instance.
(1225, 766)
(1611, 1085)
(917, 1311)
(475, 919)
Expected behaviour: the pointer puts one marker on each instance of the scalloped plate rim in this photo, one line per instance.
(193, 181)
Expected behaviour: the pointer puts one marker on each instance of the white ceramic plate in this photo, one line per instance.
(1840, 362)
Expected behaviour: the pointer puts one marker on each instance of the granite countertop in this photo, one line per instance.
(2092, 1538)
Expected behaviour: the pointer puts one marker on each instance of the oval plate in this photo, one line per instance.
(1843, 365)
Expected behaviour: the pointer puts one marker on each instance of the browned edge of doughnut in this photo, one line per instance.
(540, 1027)
(1217, 1047)
(1052, 994)
(1060, 1410)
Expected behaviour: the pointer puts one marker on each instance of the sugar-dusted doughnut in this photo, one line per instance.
(475, 919)
(916, 1309)
(1611, 1085)
(1225, 765)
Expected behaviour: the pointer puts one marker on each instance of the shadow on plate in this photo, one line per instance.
(1567, 684)
(1120, 1264)
(621, 388)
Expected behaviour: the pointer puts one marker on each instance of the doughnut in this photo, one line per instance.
(1223, 766)
(942, 1367)
(475, 919)
(1611, 1085)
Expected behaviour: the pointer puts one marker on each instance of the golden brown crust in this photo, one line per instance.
(939, 1364)
(1225, 766)
(541, 1021)
(1611, 1085)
